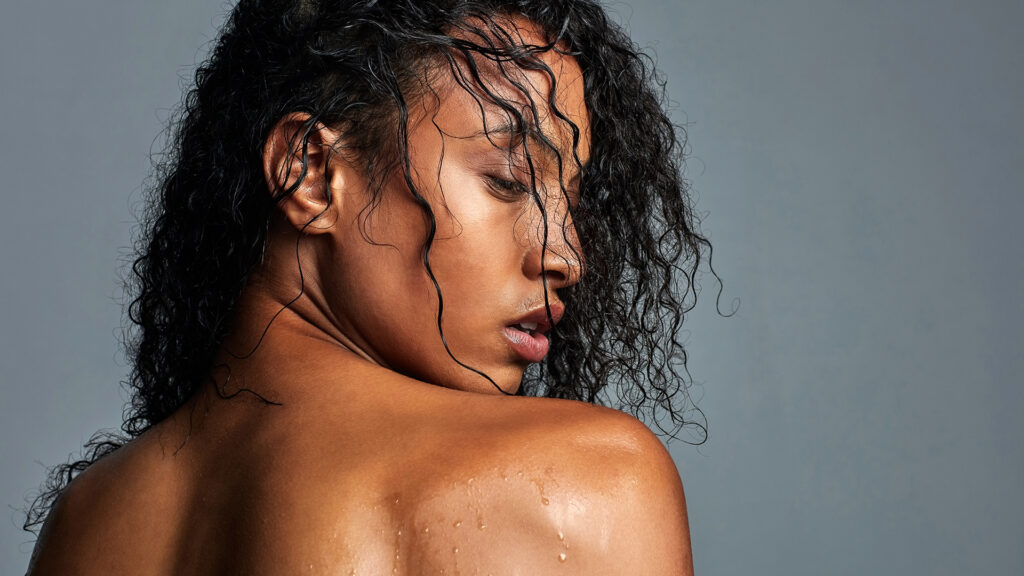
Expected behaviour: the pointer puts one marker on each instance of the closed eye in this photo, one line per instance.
(507, 190)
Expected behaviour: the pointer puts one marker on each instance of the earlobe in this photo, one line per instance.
(295, 166)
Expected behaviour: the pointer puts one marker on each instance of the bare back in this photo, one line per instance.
(428, 481)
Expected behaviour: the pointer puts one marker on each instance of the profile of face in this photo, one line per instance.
(498, 158)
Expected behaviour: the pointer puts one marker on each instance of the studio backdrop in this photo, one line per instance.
(859, 170)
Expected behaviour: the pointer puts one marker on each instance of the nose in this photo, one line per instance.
(558, 257)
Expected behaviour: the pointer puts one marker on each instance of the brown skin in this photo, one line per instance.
(386, 457)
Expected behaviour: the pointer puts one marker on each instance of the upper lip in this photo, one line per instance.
(540, 316)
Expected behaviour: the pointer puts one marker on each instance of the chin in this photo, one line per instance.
(508, 378)
(504, 373)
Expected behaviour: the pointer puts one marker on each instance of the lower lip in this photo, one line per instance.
(529, 347)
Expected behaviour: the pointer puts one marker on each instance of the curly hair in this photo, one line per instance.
(356, 65)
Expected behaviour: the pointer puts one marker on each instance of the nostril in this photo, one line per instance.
(560, 271)
(555, 258)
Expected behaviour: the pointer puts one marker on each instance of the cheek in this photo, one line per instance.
(377, 277)
(476, 245)
(477, 272)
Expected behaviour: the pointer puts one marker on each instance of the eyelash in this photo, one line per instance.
(509, 190)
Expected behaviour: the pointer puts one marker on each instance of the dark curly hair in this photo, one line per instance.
(356, 65)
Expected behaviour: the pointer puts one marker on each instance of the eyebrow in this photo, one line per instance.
(551, 153)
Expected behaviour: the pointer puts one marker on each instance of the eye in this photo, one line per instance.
(507, 190)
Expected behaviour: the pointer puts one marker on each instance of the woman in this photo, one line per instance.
(398, 251)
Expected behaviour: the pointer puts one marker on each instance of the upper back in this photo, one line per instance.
(449, 482)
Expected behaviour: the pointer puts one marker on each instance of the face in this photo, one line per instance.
(489, 256)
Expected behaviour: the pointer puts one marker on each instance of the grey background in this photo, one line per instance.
(860, 167)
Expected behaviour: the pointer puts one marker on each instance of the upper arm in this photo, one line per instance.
(53, 549)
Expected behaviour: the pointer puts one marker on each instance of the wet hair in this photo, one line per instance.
(358, 65)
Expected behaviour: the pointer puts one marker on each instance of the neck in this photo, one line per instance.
(276, 301)
(275, 335)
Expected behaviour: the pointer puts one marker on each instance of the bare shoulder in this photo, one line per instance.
(111, 502)
(636, 522)
(554, 485)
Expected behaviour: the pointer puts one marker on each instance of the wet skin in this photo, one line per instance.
(385, 456)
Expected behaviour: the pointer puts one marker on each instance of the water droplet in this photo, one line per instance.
(396, 499)
(426, 530)
(399, 531)
(455, 550)
(457, 523)
(561, 537)
(545, 501)
(470, 481)
(561, 557)
(482, 525)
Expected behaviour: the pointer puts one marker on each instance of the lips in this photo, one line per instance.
(527, 335)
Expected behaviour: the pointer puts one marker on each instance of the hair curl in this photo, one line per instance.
(356, 64)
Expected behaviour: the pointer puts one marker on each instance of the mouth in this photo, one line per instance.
(528, 335)
(527, 327)
(530, 346)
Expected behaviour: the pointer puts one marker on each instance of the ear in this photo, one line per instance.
(304, 196)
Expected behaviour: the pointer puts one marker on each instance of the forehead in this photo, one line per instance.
(480, 93)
